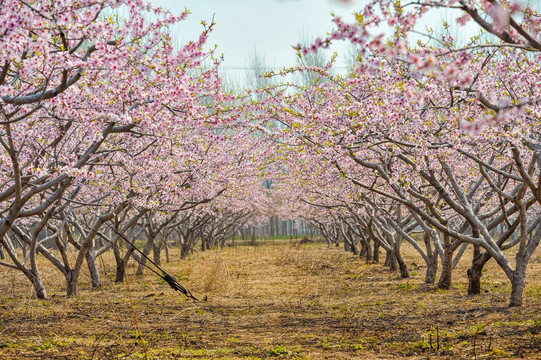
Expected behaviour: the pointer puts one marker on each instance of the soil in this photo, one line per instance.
(279, 299)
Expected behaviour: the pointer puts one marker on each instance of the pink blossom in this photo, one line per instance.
(451, 72)
(464, 19)
(499, 15)
(465, 79)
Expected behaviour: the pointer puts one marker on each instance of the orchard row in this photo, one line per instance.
(109, 132)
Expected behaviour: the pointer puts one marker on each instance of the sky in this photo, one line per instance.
(269, 27)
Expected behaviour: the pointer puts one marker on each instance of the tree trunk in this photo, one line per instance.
(404, 272)
(24, 247)
(369, 250)
(93, 268)
(121, 265)
(390, 260)
(184, 251)
(447, 265)
(71, 283)
(375, 257)
(525, 249)
(156, 251)
(73, 275)
(203, 247)
(354, 250)
(363, 251)
(431, 268)
(120, 271)
(431, 261)
(475, 272)
(446, 272)
(36, 281)
(166, 247)
(518, 283)
(146, 250)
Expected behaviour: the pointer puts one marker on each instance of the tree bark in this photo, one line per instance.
(446, 272)
(363, 252)
(390, 260)
(71, 283)
(166, 247)
(93, 268)
(431, 268)
(146, 250)
(475, 272)
(404, 272)
(518, 283)
(369, 250)
(37, 283)
(375, 257)
(447, 265)
(156, 251)
(120, 268)
(431, 261)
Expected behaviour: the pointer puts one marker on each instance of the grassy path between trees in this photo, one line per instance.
(276, 300)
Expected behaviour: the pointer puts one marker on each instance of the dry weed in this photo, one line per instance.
(274, 300)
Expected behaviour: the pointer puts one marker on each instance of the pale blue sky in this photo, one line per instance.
(272, 26)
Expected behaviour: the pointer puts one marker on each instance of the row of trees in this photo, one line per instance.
(110, 132)
(440, 139)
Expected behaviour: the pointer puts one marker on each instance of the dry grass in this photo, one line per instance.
(277, 300)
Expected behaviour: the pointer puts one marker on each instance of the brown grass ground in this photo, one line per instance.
(276, 300)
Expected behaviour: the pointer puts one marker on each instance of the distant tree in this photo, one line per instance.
(256, 69)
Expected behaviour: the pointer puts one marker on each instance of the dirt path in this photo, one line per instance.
(271, 301)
